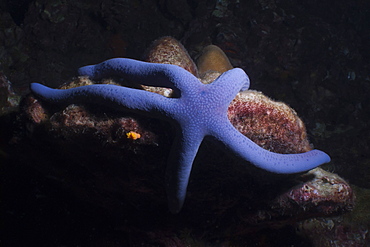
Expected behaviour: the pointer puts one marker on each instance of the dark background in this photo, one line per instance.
(313, 55)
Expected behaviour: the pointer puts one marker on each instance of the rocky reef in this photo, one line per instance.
(91, 153)
(78, 175)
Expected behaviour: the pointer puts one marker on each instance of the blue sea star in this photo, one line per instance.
(199, 110)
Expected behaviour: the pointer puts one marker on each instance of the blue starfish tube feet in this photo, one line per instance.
(199, 111)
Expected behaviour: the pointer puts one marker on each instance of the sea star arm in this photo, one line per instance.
(104, 94)
(150, 74)
(228, 84)
(232, 81)
(184, 150)
(269, 161)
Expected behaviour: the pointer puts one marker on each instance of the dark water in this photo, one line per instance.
(313, 56)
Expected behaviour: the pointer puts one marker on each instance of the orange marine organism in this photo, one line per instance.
(133, 135)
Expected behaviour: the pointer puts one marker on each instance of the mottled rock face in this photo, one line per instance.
(272, 125)
(9, 100)
(90, 123)
(168, 50)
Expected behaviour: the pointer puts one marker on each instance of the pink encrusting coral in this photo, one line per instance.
(271, 124)
(323, 193)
